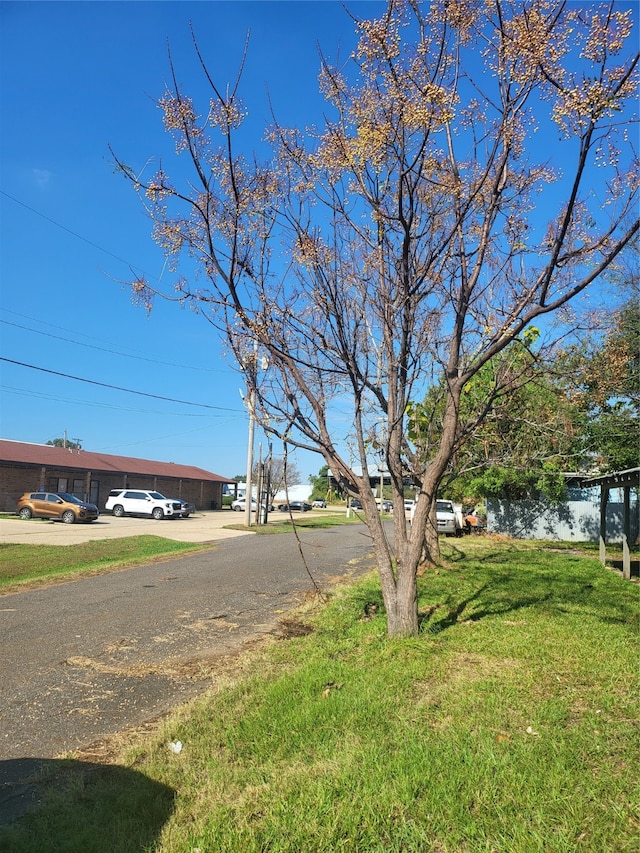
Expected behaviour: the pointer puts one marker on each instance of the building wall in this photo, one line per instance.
(293, 493)
(95, 486)
(571, 521)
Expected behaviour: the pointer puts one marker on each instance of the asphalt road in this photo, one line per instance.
(85, 659)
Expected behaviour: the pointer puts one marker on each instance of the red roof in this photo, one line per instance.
(23, 453)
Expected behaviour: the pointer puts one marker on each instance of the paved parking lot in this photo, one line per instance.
(201, 527)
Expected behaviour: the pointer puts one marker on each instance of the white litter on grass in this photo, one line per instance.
(176, 746)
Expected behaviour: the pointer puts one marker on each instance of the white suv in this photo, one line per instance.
(136, 502)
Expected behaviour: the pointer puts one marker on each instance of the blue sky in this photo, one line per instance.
(76, 78)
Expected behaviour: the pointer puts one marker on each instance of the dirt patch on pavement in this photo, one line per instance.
(24, 782)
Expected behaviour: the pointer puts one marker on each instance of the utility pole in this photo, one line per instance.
(267, 500)
(259, 519)
(252, 426)
(251, 369)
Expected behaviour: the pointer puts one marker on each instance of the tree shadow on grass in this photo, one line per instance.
(67, 805)
(453, 611)
(513, 579)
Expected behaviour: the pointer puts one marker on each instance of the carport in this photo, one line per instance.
(625, 480)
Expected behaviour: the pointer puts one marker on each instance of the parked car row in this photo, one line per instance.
(69, 509)
(450, 518)
(293, 506)
(121, 502)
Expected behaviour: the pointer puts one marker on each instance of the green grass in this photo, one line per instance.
(283, 524)
(28, 564)
(508, 725)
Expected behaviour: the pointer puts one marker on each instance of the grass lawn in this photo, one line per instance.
(26, 564)
(510, 724)
(281, 522)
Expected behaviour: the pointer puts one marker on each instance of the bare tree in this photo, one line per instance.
(281, 475)
(473, 176)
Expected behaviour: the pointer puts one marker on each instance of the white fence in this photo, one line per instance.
(572, 521)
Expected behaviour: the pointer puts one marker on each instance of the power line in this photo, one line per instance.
(39, 395)
(101, 249)
(64, 228)
(101, 349)
(119, 388)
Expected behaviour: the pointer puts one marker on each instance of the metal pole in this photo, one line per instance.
(259, 487)
(248, 493)
(268, 491)
(626, 534)
(604, 497)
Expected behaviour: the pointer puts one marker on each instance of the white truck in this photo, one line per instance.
(449, 518)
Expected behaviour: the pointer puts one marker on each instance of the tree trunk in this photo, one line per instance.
(431, 550)
(402, 620)
(397, 569)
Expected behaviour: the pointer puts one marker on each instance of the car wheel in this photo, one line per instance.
(237, 509)
(186, 514)
(157, 513)
(25, 513)
(118, 511)
(68, 516)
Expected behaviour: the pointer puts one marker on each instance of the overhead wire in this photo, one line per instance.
(25, 392)
(72, 336)
(93, 346)
(229, 414)
(118, 387)
(64, 228)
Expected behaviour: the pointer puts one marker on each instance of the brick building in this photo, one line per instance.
(90, 476)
